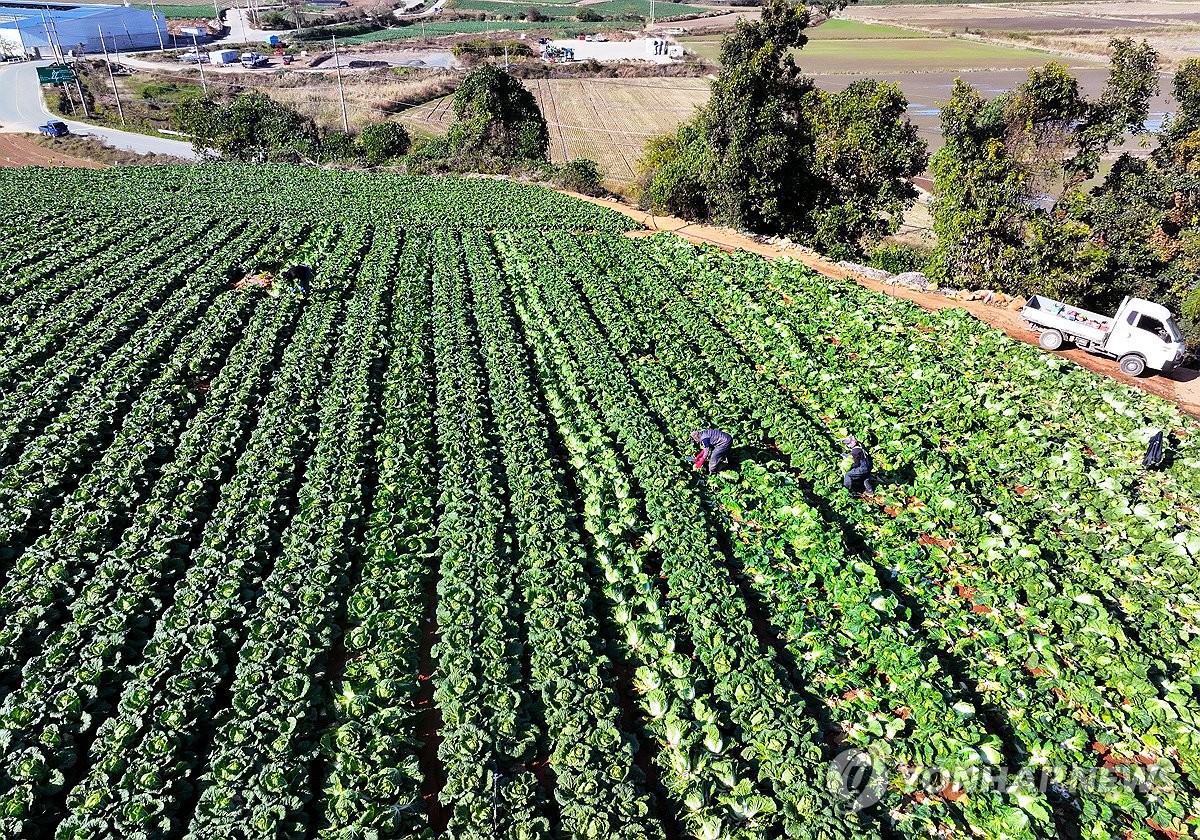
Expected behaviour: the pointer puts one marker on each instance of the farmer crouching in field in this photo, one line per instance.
(859, 477)
(714, 447)
(299, 276)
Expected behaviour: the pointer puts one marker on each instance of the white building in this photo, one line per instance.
(36, 28)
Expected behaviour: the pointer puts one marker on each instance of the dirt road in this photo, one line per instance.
(1182, 387)
(19, 150)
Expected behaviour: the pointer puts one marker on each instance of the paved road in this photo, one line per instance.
(240, 31)
(21, 110)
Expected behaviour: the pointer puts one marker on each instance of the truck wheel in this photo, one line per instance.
(1132, 365)
(1050, 340)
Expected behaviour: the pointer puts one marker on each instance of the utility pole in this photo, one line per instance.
(154, 11)
(200, 64)
(50, 40)
(82, 100)
(111, 77)
(337, 63)
(78, 84)
(506, 58)
(56, 48)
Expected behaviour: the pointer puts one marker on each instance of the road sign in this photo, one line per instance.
(55, 74)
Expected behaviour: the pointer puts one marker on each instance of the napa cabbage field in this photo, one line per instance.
(421, 553)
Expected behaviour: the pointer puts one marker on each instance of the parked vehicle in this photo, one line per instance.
(193, 58)
(222, 57)
(1142, 334)
(54, 128)
(254, 59)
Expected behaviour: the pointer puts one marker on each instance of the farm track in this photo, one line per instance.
(421, 550)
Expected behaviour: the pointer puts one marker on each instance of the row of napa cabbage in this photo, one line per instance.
(880, 679)
(769, 716)
(208, 545)
(486, 705)
(315, 194)
(965, 605)
(599, 790)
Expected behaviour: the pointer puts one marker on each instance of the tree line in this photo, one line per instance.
(498, 128)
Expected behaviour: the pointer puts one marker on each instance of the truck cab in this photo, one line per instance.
(54, 128)
(1144, 334)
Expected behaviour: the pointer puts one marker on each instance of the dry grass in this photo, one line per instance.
(370, 96)
(1173, 45)
(95, 153)
(605, 120)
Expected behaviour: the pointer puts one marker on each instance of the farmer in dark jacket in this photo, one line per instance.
(299, 276)
(716, 443)
(859, 477)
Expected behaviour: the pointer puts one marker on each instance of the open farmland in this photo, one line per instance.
(421, 553)
(1172, 28)
(887, 57)
(606, 120)
(925, 65)
(615, 9)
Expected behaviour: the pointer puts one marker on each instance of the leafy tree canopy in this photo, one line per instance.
(252, 127)
(1003, 158)
(771, 152)
(1137, 232)
(495, 115)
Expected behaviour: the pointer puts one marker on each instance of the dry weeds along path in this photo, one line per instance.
(16, 150)
(1182, 387)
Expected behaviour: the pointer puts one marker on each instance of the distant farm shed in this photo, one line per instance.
(29, 29)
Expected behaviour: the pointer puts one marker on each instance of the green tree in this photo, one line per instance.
(383, 141)
(864, 153)
(671, 168)
(252, 127)
(772, 153)
(759, 158)
(1002, 159)
(1146, 214)
(495, 115)
(980, 205)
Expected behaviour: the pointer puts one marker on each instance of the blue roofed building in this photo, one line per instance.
(35, 29)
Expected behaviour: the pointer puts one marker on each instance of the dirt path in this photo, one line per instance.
(1182, 387)
(17, 150)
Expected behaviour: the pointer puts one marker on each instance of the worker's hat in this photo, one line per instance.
(849, 440)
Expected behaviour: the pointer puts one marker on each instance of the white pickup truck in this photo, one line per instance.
(1142, 334)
